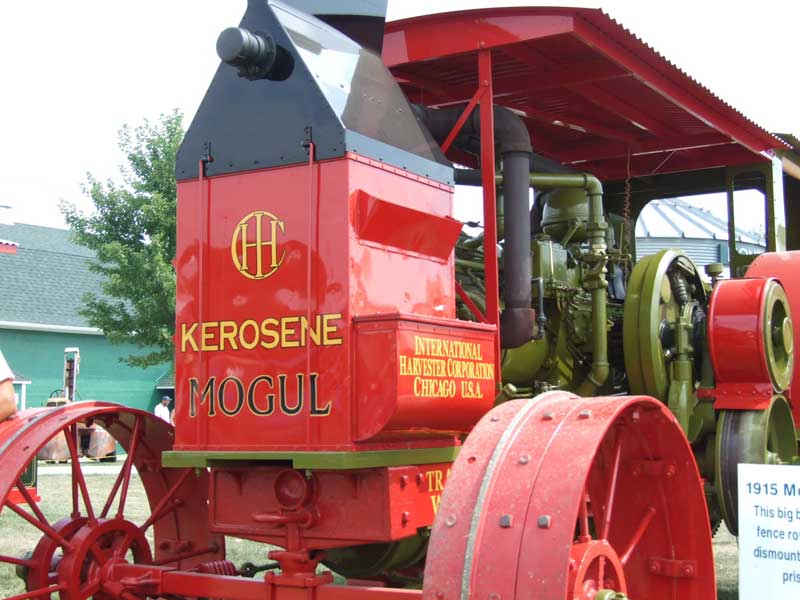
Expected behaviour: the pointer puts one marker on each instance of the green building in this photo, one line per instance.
(44, 276)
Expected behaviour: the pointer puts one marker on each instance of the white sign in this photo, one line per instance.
(769, 532)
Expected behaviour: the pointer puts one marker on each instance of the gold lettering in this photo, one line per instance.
(227, 331)
(207, 332)
(429, 476)
(273, 335)
(313, 332)
(436, 501)
(328, 329)
(248, 345)
(286, 331)
(187, 335)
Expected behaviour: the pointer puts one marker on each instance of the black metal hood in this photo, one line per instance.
(291, 78)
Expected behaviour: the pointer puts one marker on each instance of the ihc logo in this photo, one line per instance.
(249, 257)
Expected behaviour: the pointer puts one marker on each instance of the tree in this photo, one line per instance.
(132, 233)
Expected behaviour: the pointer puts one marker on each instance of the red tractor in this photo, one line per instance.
(381, 396)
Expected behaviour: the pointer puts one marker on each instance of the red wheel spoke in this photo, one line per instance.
(16, 561)
(129, 465)
(31, 502)
(583, 516)
(43, 527)
(77, 476)
(159, 511)
(637, 535)
(100, 554)
(45, 591)
(90, 589)
(612, 488)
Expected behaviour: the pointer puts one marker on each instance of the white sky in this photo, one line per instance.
(75, 71)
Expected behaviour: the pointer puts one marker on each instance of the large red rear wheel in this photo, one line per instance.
(75, 549)
(574, 498)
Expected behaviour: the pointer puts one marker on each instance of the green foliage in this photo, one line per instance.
(132, 233)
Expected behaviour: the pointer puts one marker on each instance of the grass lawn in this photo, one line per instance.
(18, 537)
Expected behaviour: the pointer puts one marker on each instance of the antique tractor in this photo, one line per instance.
(355, 386)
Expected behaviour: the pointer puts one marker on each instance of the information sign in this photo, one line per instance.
(769, 532)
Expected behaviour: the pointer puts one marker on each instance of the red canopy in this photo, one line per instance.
(592, 94)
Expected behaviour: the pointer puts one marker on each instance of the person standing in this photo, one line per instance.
(8, 404)
(162, 408)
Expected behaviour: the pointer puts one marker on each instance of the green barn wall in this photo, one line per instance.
(40, 357)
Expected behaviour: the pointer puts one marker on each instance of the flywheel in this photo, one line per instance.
(765, 437)
(562, 497)
(659, 285)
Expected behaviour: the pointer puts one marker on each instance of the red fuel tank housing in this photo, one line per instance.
(315, 311)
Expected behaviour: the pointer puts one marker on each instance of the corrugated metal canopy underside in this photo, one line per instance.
(593, 95)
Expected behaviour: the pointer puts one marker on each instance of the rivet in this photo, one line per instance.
(440, 595)
(403, 481)
(450, 520)
(420, 478)
(405, 517)
(505, 521)
(494, 418)
(494, 596)
(543, 522)
(654, 566)
(584, 414)
(687, 570)
(669, 471)
(524, 459)
(548, 416)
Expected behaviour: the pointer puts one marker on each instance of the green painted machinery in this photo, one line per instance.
(608, 326)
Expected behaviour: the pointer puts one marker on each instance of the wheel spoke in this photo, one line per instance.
(637, 535)
(159, 511)
(128, 466)
(612, 488)
(43, 527)
(90, 589)
(77, 476)
(22, 562)
(45, 591)
(100, 554)
(583, 516)
(31, 502)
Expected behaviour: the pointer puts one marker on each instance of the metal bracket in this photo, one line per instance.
(669, 567)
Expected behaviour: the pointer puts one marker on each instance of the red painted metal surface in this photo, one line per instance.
(590, 92)
(785, 266)
(487, 163)
(97, 531)
(609, 483)
(735, 329)
(261, 502)
(417, 374)
(273, 266)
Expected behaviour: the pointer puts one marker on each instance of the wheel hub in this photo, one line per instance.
(595, 569)
(96, 544)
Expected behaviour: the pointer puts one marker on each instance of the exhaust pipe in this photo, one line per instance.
(513, 144)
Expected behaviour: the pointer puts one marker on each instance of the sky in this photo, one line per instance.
(75, 72)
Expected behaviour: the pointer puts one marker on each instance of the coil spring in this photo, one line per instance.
(218, 567)
(680, 288)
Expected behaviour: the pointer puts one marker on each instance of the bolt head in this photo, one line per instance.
(524, 459)
(505, 521)
(543, 522)
(450, 520)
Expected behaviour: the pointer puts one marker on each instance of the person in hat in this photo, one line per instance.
(8, 404)
(162, 408)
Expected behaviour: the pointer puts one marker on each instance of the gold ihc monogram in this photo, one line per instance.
(257, 259)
